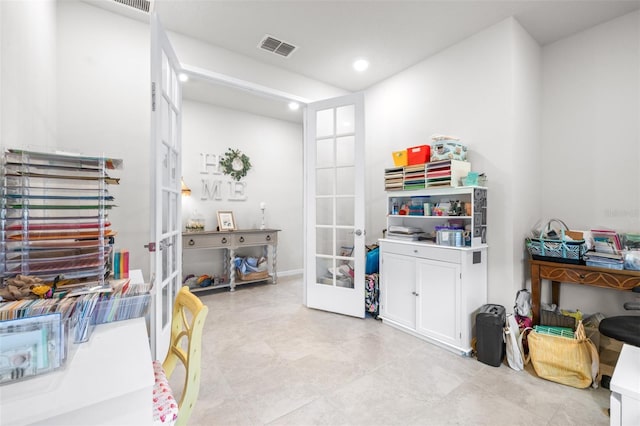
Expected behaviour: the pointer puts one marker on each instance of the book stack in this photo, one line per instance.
(607, 253)
(393, 179)
(406, 233)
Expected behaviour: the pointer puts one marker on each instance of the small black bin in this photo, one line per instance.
(490, 347)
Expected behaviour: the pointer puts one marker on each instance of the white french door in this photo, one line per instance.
(334, 203)
(165, 240)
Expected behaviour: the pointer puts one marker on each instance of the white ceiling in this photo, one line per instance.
(393, 35)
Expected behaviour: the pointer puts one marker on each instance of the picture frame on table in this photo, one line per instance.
(226, 221)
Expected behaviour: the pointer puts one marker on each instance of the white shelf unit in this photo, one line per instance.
(54, 216)
(434, 291)
(474, 197)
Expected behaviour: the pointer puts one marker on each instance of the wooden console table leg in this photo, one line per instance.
(274, 263)
(555, 293)
(535, 293)
(232, 270)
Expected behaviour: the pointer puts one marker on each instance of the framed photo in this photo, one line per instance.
(226, 221)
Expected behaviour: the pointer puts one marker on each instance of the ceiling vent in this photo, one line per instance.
(142, 5)
(276, 46)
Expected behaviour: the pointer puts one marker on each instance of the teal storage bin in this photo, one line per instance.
(372, 265)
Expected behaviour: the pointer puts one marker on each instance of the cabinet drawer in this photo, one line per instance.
(205, 241)
(252, 239)
(422, 251)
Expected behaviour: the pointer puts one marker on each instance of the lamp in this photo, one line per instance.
(185, 189)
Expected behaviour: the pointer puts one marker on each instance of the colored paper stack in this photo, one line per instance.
(121, 264)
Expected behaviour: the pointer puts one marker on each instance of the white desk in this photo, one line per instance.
(109, 380)
(625, 388)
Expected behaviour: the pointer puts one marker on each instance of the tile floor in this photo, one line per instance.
(268, 360)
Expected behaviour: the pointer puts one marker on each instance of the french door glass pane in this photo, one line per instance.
(166, 306)
(324, 181)
(346, 180)
(324, 153)
(345, 119)
(324, 211)
(344, 211)
(324, 267)
(165, 209)
(165, 252)
(345, 148)
(324, 241)
(324, 123)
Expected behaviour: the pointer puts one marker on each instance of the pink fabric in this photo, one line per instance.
(165, 407)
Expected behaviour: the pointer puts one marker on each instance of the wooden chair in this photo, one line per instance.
(187, 324)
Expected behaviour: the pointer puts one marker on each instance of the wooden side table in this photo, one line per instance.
(577, 274)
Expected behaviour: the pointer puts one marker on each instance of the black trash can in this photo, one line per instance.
(490, 347)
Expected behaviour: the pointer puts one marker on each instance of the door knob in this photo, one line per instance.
(358, 232)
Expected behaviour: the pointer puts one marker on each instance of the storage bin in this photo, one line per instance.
(490, 346)
(400, 158)
(448, 150)
(418, 154)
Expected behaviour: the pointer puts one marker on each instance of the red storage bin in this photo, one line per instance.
(418, 154)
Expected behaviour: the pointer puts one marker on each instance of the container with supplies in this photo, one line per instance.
(418, 154)
(490, 346)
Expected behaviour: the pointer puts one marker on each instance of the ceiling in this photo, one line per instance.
(392, 35)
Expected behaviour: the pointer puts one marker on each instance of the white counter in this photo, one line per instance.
(625, 388)
(109, 380)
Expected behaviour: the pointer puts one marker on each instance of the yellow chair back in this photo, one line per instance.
(187, 324)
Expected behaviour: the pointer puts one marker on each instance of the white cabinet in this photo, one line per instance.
(434, 291)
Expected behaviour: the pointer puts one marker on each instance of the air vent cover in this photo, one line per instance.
(143, 5)
(276, 46)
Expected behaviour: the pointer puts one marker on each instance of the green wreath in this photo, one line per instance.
(235, 164)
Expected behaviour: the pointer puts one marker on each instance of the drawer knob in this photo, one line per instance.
(242, 239)
(582, 276)
(268, 238)
(415, 250)
(224, 240)
(191, 242)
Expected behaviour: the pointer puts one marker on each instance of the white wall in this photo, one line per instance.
(103, 108)
(591, 139)
(103, 104)
(274, 148)
(27, 74)
(472, 90)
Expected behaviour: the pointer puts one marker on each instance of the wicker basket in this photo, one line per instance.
(261, 275)
(553, 319)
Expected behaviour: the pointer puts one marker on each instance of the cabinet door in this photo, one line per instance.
(438, 288)
(397, 289)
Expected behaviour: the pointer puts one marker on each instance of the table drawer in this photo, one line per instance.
(595, 277)
(252, 239)
(205, 241)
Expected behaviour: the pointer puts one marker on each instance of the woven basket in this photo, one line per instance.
(553, 319)
(556, 248)
(262, 275)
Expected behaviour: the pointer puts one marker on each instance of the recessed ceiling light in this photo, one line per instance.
(183, 77)
(360, 65)
(294, 106)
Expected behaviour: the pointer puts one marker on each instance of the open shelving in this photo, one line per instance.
(54, 216)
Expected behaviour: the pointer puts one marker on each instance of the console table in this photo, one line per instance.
(577, 274)
(230, 241)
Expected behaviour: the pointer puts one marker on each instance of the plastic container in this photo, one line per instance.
(400, 158)
(490, 346)
(418, 154)
(448, 150)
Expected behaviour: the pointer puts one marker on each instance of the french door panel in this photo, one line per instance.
(165, 230)
(334, 202)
